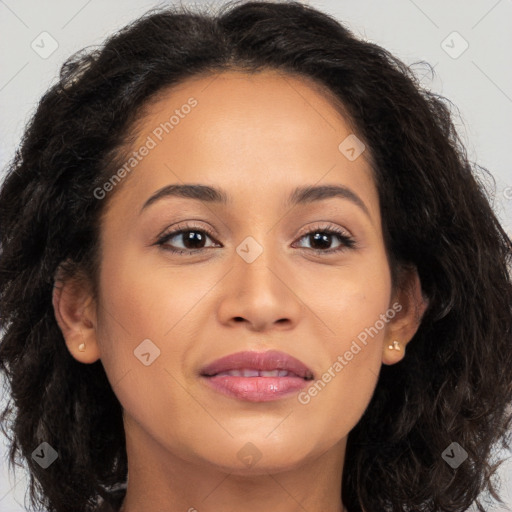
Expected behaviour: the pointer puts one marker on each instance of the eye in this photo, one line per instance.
(322, 237)
(194, 239)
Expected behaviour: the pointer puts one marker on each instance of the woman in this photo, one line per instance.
(335, 336)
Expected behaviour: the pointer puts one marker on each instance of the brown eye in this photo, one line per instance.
(193, 240)
(321, 239)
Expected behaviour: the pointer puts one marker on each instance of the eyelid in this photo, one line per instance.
(189, 225)
(346, 238)
(325, 225)
(186, 225)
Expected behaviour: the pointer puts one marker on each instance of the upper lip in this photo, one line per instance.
(264, 361)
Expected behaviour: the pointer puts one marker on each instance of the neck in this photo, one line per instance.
(160, 480)
(124, 509)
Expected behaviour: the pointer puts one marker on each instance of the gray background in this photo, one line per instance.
(477, 79)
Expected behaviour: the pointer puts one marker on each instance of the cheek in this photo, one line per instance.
(348, 299)
(354, 305)
(139, 319)
(145, 300)
(141, 302)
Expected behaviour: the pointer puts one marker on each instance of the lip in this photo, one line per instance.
(257, 388)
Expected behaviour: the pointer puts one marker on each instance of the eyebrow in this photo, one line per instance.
(300, 195)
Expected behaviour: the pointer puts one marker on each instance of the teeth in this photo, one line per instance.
(269, 373)
(249, 373)
(246, 372)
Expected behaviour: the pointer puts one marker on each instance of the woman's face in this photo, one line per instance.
(267, 278)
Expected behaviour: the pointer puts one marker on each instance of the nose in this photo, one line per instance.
(262, 293)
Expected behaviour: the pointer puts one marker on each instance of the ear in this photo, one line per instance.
(410, 305)
(74, 309)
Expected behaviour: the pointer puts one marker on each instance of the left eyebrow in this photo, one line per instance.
(308, 194)
(300, 195)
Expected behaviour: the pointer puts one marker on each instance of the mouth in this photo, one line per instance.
(257, 376)
(251, 372)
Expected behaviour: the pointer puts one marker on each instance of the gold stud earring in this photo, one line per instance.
(81, 347)
(395, 346)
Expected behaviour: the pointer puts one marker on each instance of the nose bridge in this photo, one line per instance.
(261, 280)
(259, 262)
(260, 292)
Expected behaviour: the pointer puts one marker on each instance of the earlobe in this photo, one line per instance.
(75, 315)
(405, 324)
(393, 352)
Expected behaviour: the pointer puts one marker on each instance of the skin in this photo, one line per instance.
(258, 137)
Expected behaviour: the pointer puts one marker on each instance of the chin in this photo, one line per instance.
(255, 456)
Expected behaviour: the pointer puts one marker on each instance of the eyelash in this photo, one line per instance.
(347, 242)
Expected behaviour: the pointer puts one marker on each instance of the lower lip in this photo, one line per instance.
(256, 389)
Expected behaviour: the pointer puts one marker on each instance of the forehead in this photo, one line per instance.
(263, 132)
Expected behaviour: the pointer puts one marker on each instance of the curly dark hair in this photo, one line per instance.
(455, 382)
